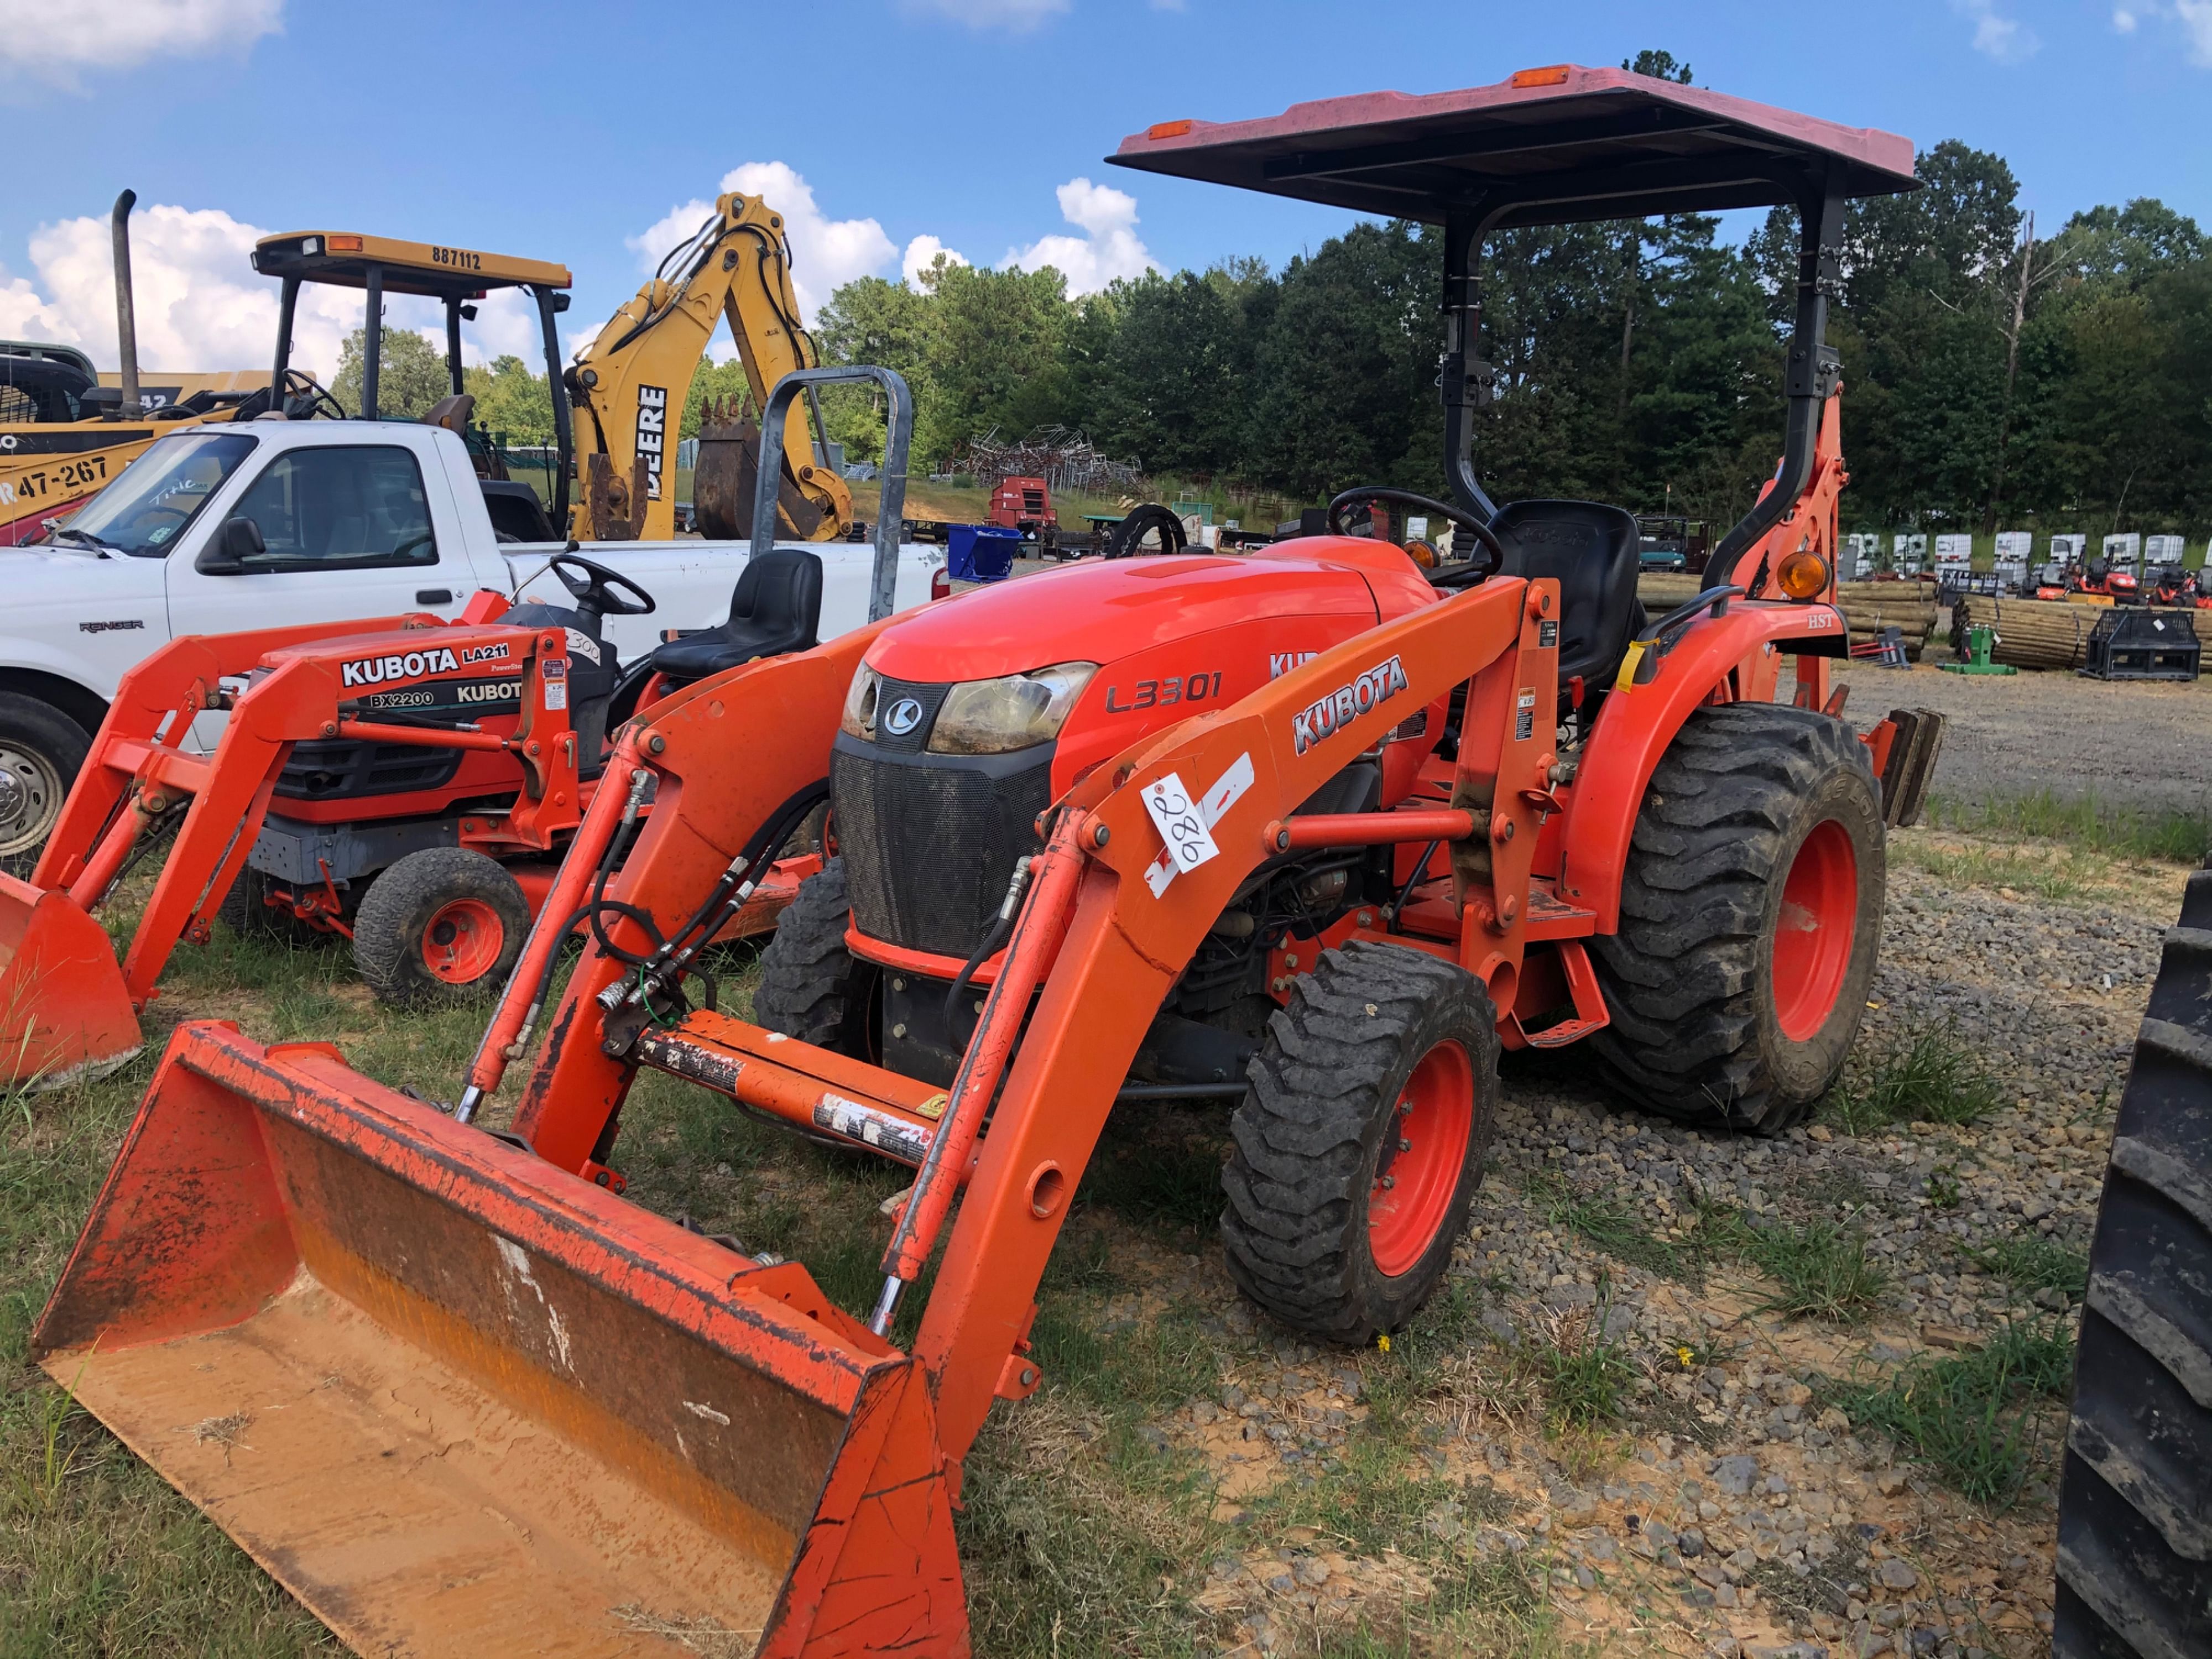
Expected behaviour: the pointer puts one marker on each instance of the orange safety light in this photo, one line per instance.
(1552, 75)
(1803, 574)
(342, 243)
(1167, 129)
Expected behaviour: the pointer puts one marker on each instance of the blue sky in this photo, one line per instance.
(569, 130)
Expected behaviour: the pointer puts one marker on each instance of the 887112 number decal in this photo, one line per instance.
(1164, 693)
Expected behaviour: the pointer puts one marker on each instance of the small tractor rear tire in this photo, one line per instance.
(811, 987)
(442, 925)
(1750, 918)
(2134, 1581)
(1376, 1046)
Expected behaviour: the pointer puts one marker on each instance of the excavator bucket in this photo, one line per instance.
(66, 1014)
(460, 1402)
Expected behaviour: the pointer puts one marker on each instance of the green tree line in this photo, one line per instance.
(1993, 375)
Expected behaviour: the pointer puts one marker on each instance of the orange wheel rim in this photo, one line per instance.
(462, 941)
(1423, 1152)
(1813, 935)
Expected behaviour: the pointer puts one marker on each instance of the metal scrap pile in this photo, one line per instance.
(1066, 460)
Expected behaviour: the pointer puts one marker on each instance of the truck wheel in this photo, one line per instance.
(441, 926)
(811, 988)
(2134, 1544)
(1360, 1140)
(41, 751)
(1750, 916)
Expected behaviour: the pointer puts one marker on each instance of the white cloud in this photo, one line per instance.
(2005, 40)
(921, 253)
(1013, 15)
(2195, 17)
(1108, 248)
(200, 306)
(826, 254)
(56, 40)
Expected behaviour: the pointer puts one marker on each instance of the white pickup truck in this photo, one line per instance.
(355, 518)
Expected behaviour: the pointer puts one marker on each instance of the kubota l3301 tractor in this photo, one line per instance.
(1317, 830)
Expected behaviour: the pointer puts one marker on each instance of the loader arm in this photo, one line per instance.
(631, 385)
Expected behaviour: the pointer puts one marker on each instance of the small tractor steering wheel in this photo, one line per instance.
(1482, 532)
(593, 590)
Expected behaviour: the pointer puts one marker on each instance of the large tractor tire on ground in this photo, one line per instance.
(1360, 1140)
(442, 925)
(1750, 918)
(811, 987)
(2134, 1502)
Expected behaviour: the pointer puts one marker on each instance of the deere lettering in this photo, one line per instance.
(1329, 715)
(382, 671)
(652, 425)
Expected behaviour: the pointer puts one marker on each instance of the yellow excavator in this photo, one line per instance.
(629, 387)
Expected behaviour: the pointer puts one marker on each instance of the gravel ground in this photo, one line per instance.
(1735, 1512)
(2144, 745)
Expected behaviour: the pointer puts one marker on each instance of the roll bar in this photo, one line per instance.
(891, 497)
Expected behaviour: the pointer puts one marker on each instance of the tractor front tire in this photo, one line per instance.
(2135, 1549)
(1360, 1141)
(811, 987)
(440, 926)
(1750, 917)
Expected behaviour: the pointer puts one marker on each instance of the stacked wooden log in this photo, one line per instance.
(1869, 607)
(2045, 633)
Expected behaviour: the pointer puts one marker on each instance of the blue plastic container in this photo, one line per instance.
(981, 552)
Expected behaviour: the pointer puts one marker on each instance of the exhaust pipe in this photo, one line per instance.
(127, 319)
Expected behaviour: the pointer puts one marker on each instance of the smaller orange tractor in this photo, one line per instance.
(402, 781)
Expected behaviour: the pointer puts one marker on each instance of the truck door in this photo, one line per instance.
(348, 529)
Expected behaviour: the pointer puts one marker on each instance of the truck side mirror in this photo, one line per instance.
(228, 550)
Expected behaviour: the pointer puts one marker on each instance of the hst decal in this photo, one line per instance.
(1326, 716)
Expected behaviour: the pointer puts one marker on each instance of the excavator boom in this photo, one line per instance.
(631, 385)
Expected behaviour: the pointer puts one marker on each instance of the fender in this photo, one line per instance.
(1638, 722)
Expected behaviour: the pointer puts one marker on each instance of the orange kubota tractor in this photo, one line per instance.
(1317, 830)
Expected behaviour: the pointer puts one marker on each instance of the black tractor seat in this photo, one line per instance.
(1592, 551)
(776, 608)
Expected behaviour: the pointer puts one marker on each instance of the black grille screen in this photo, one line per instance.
(321, 771)
(930, 841)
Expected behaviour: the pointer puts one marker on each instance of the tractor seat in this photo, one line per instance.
(776, 608)
(1591, 550)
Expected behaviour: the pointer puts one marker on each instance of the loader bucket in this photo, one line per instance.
(460, 1402)
(64, 1012)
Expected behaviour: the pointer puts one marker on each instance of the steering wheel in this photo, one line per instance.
(1481, 531)
(593, 591)
(306, 385)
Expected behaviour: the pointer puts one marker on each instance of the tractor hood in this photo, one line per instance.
(1106, 612)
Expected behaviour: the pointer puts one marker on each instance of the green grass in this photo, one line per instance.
(1822, 1268)
(2060, 880)
(1929, 1075)
(1968, 1418)
(1614, 1229)
(2029, 1263)
(2178, 837)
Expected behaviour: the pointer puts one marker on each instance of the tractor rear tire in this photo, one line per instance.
(811, 987)
(440, 926)
(1382, 1067)
(1750, 918)
(2135, 1549)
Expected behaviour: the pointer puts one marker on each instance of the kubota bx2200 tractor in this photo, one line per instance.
(1316, 830)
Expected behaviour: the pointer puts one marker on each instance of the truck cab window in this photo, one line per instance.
(156, 498)
(341, 506)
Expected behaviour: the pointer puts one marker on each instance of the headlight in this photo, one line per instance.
(860, 717)
(994, 717)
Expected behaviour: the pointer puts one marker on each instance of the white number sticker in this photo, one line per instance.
(1180, 823)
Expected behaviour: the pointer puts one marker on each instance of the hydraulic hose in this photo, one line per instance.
(993, 942)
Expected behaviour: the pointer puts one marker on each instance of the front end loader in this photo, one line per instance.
(1317, 830)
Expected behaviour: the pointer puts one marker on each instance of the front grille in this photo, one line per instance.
(929, 841)
(344, 768)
